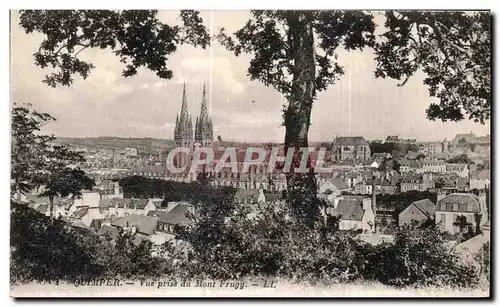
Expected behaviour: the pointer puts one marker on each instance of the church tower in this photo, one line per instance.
(183, 133)
(203, 129)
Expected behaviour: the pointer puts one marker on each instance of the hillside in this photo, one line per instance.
(105, 142)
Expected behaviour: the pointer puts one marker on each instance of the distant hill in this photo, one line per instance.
(150, 145)
(105, 142)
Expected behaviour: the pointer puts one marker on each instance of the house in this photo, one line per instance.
(461, 212)
(395, 139)
(88, 214)
(379, 157)
(351, 178)
(246, 196)
(388, 187)
(463, 138)
(363, 187)
(447, 184)
(140, 224)
(107, 231)
(408, 166)
(460, 169)
(419, 211)
(109, 189)
(351, 148)
(430, 148)
(417, 182)
(178, 216)
(434, 166)
(143, 206)
(42, 204)
(470, 249)
(117, 207)
(87, 199)
(355, 212)
(80, 226)
(333, 186)
(412, 155)
(480, 180)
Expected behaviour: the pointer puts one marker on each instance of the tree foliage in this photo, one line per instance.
(293, 51)
(462, 158)
(296, 53)
(64, 182)
(137, 37)
(271, 38)
(453, 49)
(28, 148)
(193, 192)
(396, 150)
(46, 249)
(418, 257)
(36, 162)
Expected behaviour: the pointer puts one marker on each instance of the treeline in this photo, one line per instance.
(396, 150)
(273, 243)
(195, 192)
(46, 249)
(463, 158)
(398, 202)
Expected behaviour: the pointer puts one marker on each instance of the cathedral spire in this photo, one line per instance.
(203, 129)
(183, 133)
(184, 107)
(204, 112)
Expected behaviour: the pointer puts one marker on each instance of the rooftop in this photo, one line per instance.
(350, 141)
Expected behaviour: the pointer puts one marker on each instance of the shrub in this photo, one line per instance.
(47, 249)
(418, 257)
(271, 243)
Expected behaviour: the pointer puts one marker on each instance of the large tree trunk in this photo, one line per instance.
(301, 187)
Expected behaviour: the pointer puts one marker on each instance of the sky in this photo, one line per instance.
(107, 104)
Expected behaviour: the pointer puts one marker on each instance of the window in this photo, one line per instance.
(469, 207)
(455, 207)
(346, 148)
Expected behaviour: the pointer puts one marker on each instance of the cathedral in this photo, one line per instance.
(183, 133)
(202, 135)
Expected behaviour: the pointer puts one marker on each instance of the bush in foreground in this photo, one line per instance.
(47, 249)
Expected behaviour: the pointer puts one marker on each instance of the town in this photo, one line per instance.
(373, 186)
(262, 152)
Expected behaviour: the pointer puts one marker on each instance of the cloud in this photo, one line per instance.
(219, 70)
